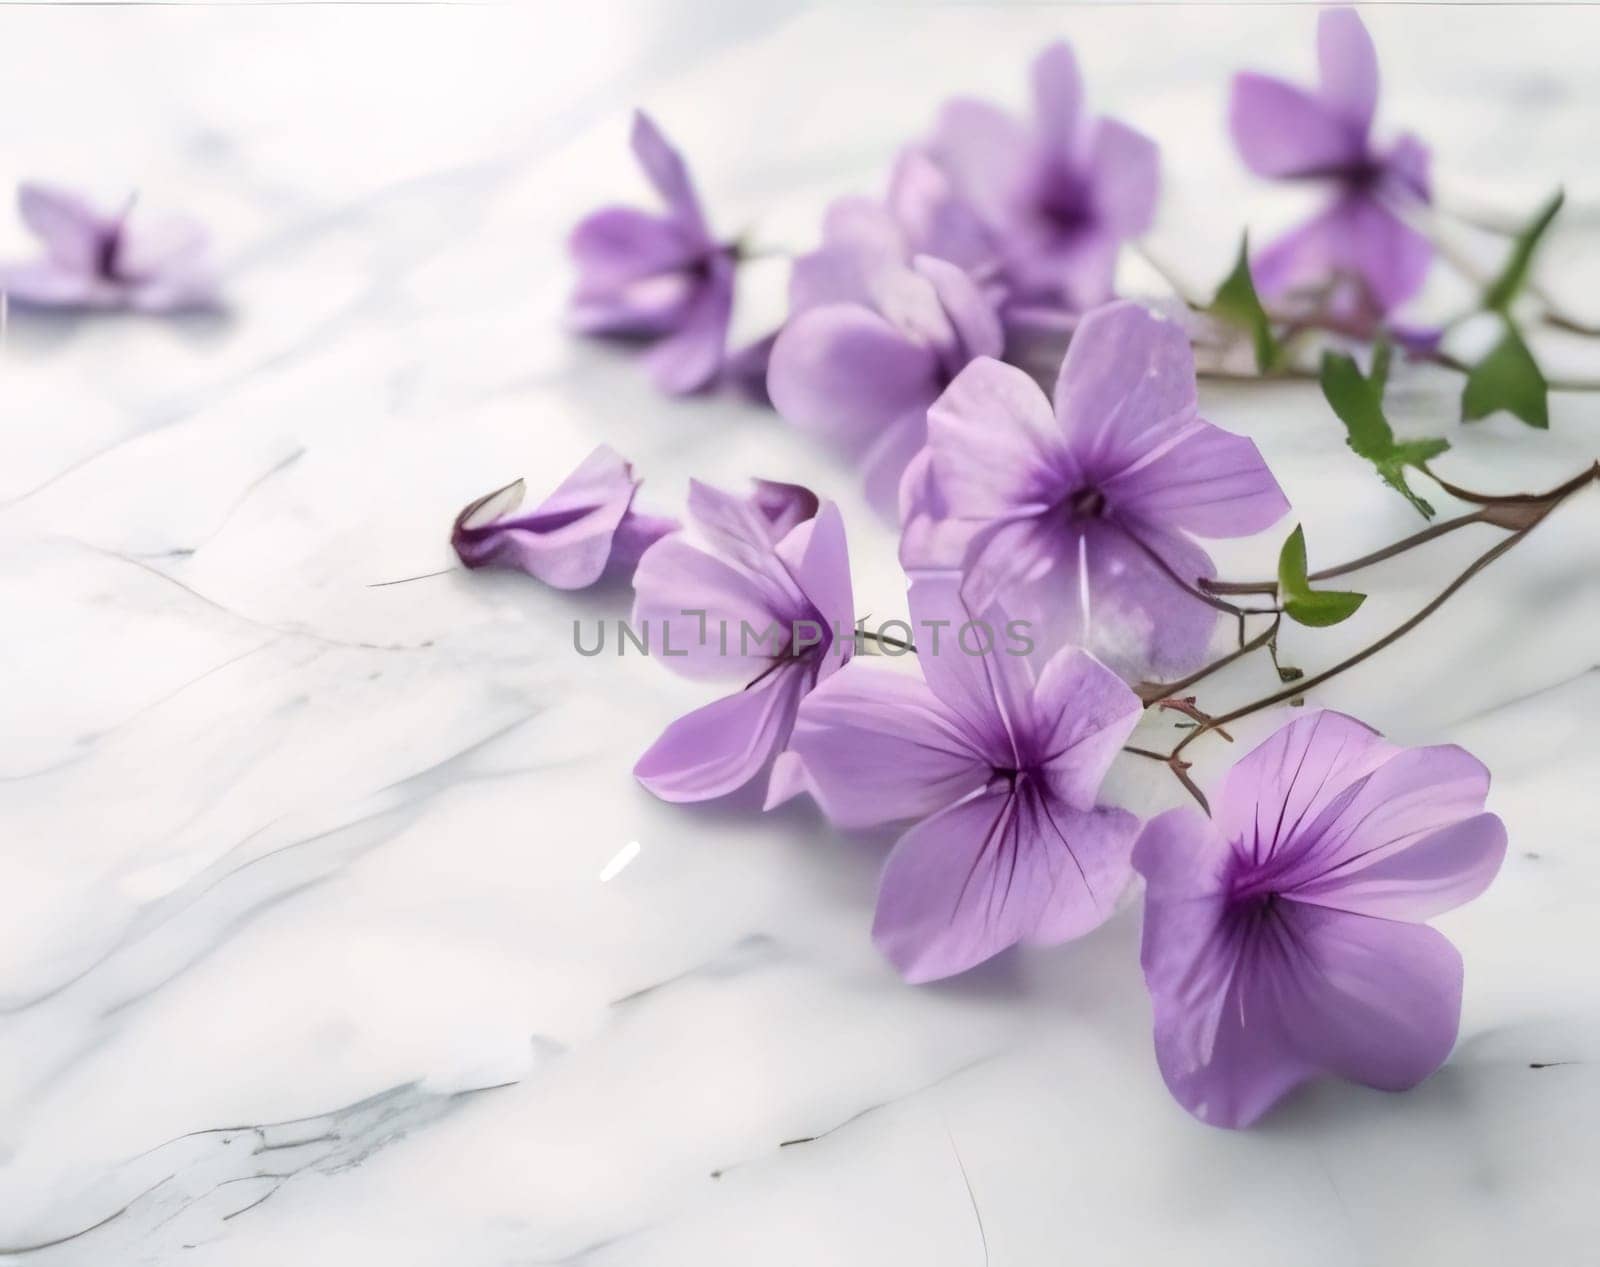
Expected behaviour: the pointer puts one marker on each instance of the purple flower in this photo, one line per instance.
(585, 526)
(1283, 938)
(1080, 521)
(1058, 196)
(98, 261)
(661, 278)
(769, 607)
(1001, 770)
(871, 343)
(1358, 251)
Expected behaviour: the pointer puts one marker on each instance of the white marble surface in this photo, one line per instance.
(307, 956)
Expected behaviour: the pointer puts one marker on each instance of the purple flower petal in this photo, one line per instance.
(689, 359)
(1348, 67)
(571, 538)
(1204, 480)
(1126, 383)
(1082, 715)
(1357, 239)
(1000, 868)
(1125, 174)
(665, 168)
(877, 746)
(994, 443)
(1058, 99)
(1278, 943)
(704, 618)
(71, 230)
(844, 372)
(1285, 131)
(783, 505)
(987, 154)
(131, 261)
(719, 748)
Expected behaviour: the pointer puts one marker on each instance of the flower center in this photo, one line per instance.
(106, 253)
(1086, 503)
(1063, 201)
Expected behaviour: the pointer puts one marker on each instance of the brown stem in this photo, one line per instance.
(1394, 635)
(1153, 692)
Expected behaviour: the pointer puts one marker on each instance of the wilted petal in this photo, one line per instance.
(721, 747)
(783, 506)
(1348, 65)
(1203, 480)
(1281, 130)
(877, 746)
(570, 539)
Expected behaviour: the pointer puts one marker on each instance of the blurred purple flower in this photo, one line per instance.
(765, 607)
(1358, 255)
(1080, 521)
(1058, 195)
(661, 278)
(872, 341)
(1283, 939)
(1001, 770)
(587, 525)
(98, 261)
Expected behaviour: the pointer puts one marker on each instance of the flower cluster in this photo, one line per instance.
(1059, 590)
(1283, 933)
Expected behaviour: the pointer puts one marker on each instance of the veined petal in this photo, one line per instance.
(1126, 382)
(1002, 867)
(1284, 131)
(1082, 715)
(1292, 778)
(1408, 840)
(818, 559)
(995, 446)
(877, 746)
(705, 618)
(721, 747)
(1206, 481)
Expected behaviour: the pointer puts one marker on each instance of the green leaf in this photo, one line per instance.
(1359, 403)
(1514, 273)
(1382, 354)
(1507, 378)
(1237, 303)
(1317, 608)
